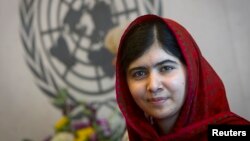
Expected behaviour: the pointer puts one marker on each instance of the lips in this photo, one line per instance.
(157, 100)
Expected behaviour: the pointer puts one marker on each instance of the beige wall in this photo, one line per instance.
(221, 29)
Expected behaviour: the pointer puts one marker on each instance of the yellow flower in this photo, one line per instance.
(84, 134)
(61, 123)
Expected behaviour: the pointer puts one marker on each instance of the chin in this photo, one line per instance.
(163, 114)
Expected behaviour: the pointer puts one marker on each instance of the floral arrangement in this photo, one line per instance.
(79, 122)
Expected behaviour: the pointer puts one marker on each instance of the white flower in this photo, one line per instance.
(63, 136)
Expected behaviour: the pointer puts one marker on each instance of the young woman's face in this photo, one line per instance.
(157, 82)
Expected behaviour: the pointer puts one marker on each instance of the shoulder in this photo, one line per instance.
(236, 119)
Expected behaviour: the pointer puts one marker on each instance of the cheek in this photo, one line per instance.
(179, 83)
(178, 86)
(136, 89)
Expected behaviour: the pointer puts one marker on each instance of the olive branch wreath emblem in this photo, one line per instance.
(46, 81)
(33, 58)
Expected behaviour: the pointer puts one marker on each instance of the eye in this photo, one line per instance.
(139, 74)
(166, 68)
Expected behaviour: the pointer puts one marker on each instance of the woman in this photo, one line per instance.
(165, 88)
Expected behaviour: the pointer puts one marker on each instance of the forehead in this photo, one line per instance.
(152, 56)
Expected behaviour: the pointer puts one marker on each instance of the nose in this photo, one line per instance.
(154, 84)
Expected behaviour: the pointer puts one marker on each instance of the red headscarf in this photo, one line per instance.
(205, 102)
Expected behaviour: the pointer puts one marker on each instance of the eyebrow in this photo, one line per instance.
(157, 64)
(165, 61)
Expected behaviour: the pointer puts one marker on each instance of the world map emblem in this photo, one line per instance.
(70, 34)
(63, 42)
(72, 39)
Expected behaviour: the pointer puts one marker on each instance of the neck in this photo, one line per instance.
(166, 124)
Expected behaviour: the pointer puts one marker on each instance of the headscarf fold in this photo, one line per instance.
(205, 102)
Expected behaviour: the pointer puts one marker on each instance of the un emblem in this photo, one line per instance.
(63, 43)
(70, 35)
